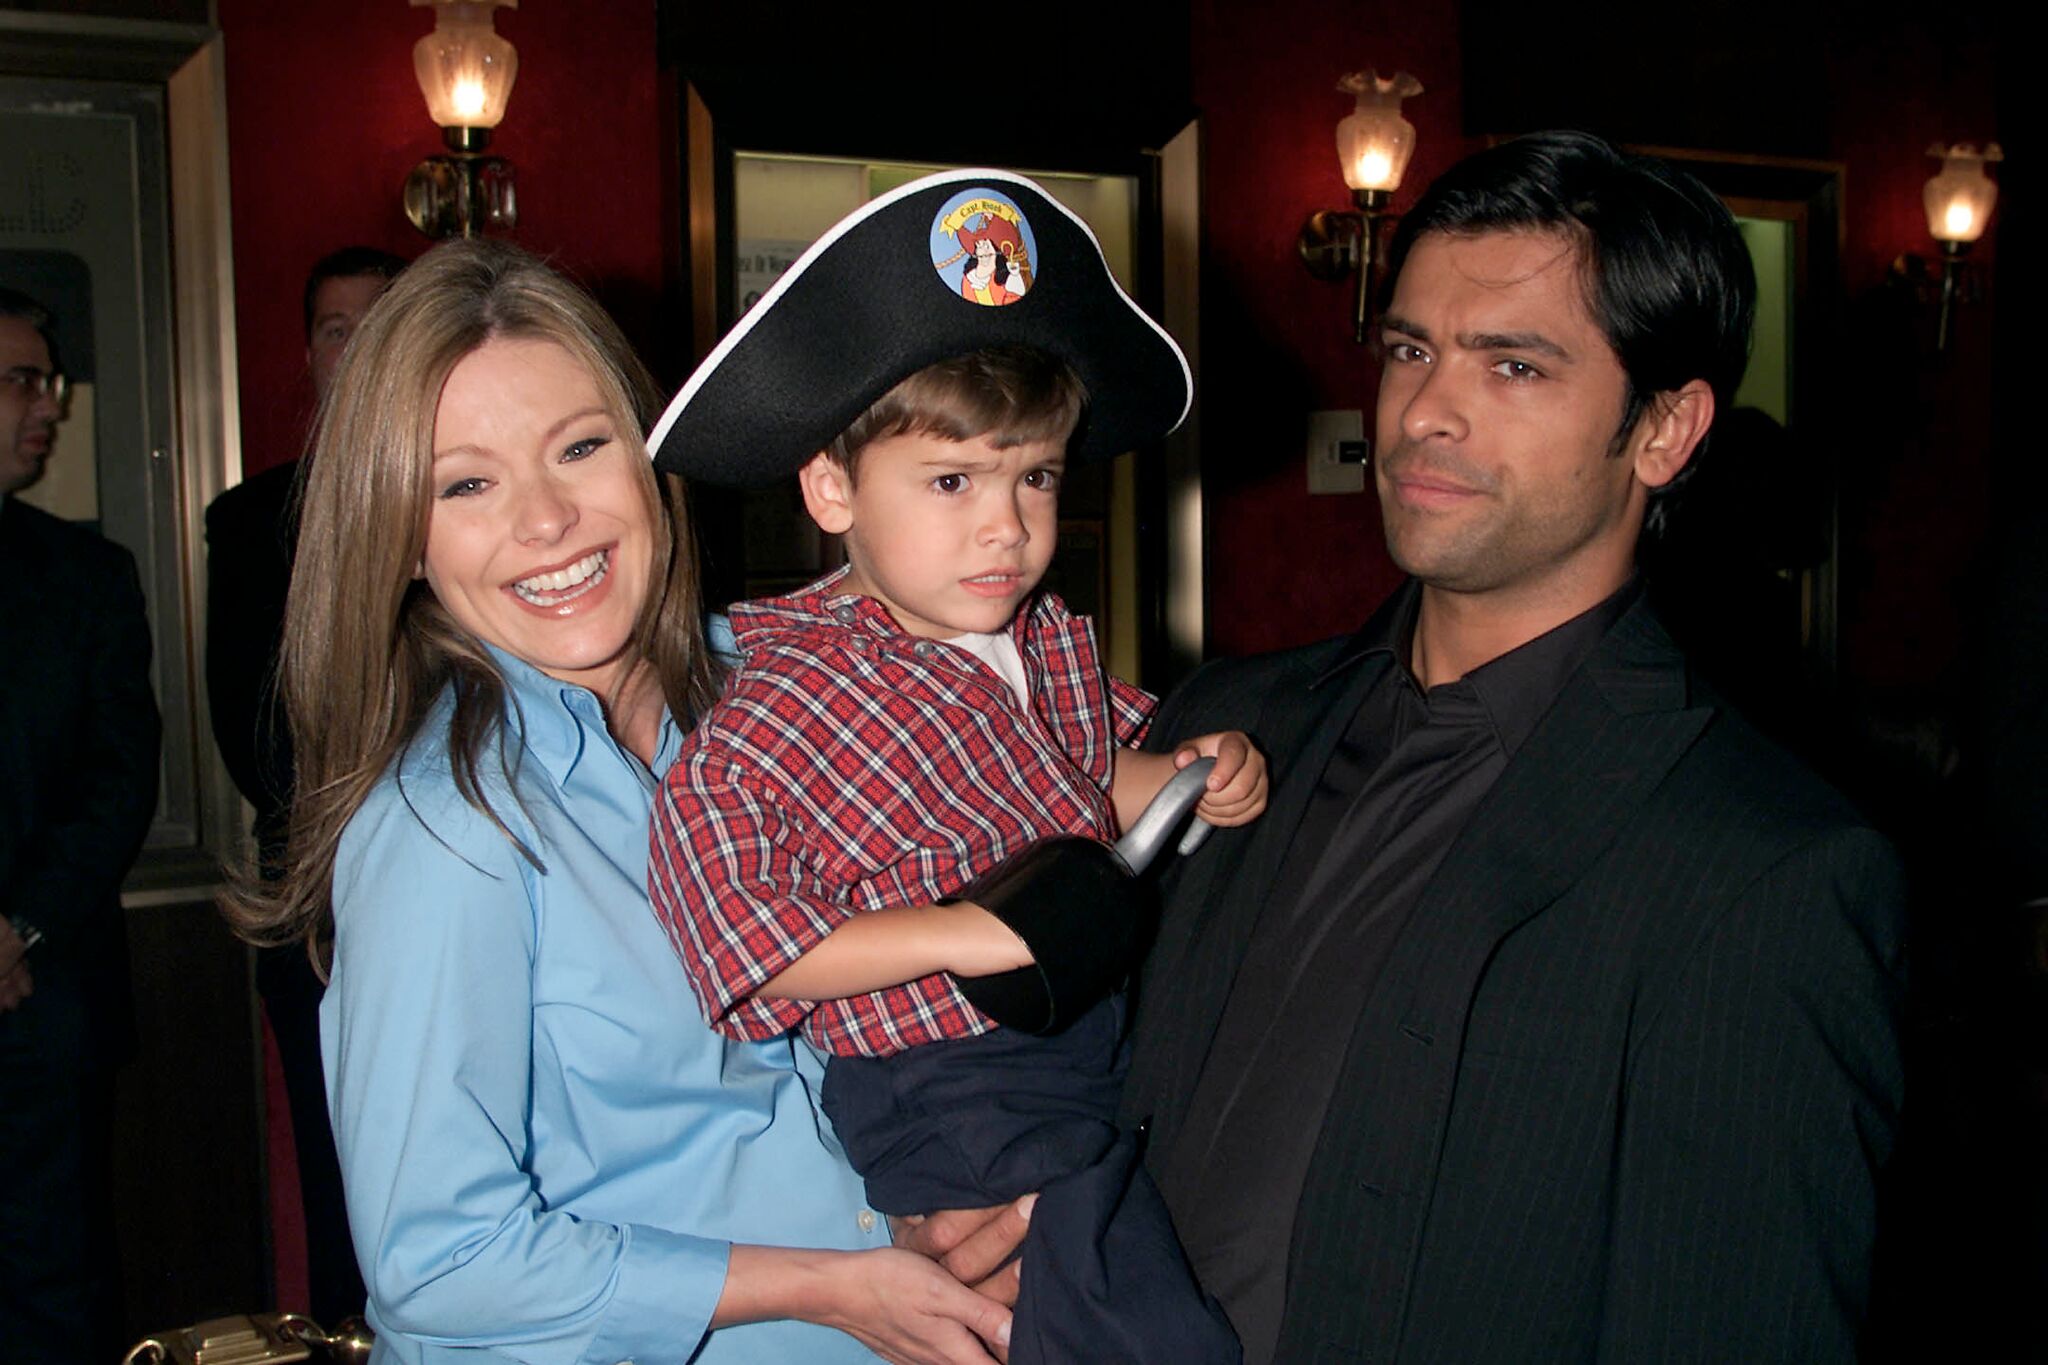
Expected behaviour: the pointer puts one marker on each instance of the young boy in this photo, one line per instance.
(850, 842)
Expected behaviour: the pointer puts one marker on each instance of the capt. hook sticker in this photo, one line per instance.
(983, 248)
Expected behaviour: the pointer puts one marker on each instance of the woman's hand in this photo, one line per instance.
(899, 1305)
(905, 1308)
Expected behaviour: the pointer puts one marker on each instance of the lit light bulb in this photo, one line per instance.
(1959, 198)
(468, 98)
(464, 68)
(1374, 141)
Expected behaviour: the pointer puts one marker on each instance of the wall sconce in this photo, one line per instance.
(465, 71)
(1958, 198)
(1373, 146)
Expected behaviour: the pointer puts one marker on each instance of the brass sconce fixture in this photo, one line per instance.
(1958, 199)
(465, 71)
(1373, 146)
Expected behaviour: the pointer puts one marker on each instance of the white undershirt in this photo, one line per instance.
(999, 651)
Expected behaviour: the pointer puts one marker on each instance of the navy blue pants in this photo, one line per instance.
(59, 1299)
(982, 1121)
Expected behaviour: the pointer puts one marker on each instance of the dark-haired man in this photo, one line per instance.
(1550, 1012)
(78, 784)
(251, 531)
(340, 288)
(31, 392)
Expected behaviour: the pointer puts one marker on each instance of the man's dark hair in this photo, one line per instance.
(15, 304)
(1668, 279)
(346, 264)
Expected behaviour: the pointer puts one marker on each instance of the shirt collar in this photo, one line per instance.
(1515, 688)
(1386, 632)
(557, 721)
(1518, 687)
(809, 607)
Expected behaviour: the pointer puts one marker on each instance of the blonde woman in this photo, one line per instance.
(494, 634)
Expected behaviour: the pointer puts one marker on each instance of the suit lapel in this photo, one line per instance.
(1559, 803)
(1214, 902)
(1304, 725)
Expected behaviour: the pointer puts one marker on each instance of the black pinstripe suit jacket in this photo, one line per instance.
(1623, 1086)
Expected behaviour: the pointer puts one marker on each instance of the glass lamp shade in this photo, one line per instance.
(1959, 197)
(465, 69)
(1373, 141)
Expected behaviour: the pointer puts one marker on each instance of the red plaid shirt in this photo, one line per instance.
(851, 766)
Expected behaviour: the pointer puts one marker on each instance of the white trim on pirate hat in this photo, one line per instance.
(888, 291)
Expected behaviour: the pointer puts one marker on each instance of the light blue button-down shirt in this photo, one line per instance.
(546, 1152)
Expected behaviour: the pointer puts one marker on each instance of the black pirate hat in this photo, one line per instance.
(949, 264)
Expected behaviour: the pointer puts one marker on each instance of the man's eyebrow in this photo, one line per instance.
(1513, 341)
(1480, 341)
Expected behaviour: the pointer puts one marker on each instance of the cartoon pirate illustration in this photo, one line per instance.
(993, 248)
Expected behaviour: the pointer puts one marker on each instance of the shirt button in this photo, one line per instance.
(866, 1220)
(845, 614)
(922, 649)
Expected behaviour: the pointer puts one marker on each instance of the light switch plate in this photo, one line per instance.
(1326, 473)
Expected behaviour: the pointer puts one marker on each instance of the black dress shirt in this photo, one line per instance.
(1411, 769)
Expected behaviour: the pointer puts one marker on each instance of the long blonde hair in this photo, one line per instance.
(368, 649)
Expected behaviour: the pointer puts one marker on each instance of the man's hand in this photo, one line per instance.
(1236, 792)
(16, 982)
(978, 1247)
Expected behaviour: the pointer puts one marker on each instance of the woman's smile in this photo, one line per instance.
(559, 591)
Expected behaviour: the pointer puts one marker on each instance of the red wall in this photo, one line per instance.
(1276, 344)
(1285, 567)
(325, 120)
(1917, 471)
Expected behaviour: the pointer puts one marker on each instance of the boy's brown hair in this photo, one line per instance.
(1012, 394)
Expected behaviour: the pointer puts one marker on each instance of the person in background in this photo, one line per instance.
(79, 734)
(251, 532)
